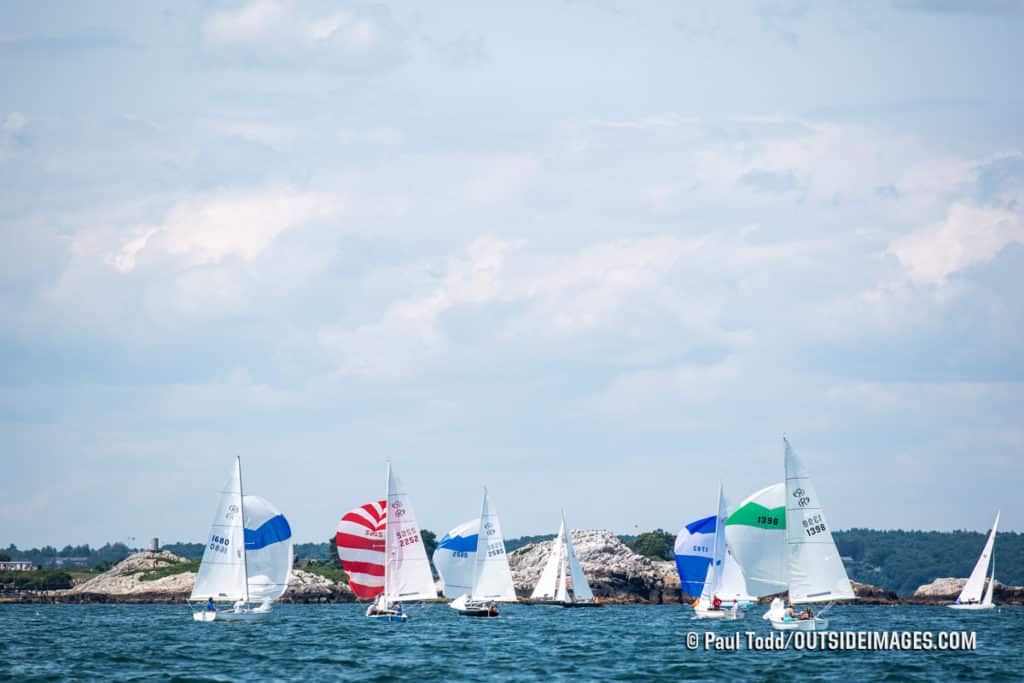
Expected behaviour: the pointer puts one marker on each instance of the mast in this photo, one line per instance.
(387, 520)
(241, 509)
(480, 559)
(714, 546)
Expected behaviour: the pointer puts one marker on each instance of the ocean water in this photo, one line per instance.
(336, 642)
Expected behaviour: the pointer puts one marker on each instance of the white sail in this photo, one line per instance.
(492, 577)
(580, 586)
(549, 583)
(562, 591)
(407, 574)
(455, 558)
(976, 583)
(816, 572)
(987, 600)
(732, 585)
(268, 549)
(222, 570)
(756, 534)
(713, 581)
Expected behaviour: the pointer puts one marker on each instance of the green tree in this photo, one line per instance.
(4, 557)
(429, 541)
(656, 544)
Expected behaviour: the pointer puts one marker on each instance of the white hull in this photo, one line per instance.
(389, 615)
(816, 624)
(971, 607)
(231, 615)
(726, 614)
(474, 608)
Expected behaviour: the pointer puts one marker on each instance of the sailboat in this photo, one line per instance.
(816, 572)
(247, 559)
(697, 545)
(971, 593)
(561, 570)
(382, 552)
(492, 577)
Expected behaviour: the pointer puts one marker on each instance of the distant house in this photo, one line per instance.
(19, 566)
(70, 561)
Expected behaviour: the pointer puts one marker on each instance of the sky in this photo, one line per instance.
(594, 255)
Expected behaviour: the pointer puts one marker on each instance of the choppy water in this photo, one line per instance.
(336, 642)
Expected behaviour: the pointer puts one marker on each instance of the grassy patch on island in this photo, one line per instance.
(169, 570)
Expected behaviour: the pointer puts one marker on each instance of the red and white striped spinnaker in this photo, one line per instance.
(360, 540)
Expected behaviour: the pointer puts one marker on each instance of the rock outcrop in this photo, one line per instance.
(945, 590)
(873, 595)
(125, 583)
(616, 574)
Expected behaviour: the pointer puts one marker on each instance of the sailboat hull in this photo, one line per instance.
(971, 607)
(230, 615)
(580, 604)
(816, 624)
(726, 614)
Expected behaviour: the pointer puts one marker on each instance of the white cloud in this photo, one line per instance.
(210, 227)
(969, 235)
(14, 121)
(354, 38)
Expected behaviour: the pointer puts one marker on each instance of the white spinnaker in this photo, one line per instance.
(222, 570)
(548, 584)
(713, 582)
(580, 586)
(268, 549)
(756, 534)
(816, 572)
(492, 577)
(455, 558)
(407, 572)
(976, 583)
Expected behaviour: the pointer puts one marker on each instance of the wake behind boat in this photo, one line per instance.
(969, 596)
(247, 559)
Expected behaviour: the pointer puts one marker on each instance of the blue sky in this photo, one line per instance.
(595, 255)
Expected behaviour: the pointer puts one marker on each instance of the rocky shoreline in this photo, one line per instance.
(617, 575)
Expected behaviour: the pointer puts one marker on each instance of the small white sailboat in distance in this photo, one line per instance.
(492, 576)
(816, 572)
(971, 594)
(247, 558)
(562, 581)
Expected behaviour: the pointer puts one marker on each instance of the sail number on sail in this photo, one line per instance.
(219, 543)
(408, 537)
(767, 521)
(496, 550)
(814, 525)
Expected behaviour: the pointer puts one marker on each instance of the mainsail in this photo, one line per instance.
(816, 572)
(756, 535)
(360, 541)
(455, 558)
(222, 570)
(492, 577)
(408, 575)
(976, 583)
(268, 549)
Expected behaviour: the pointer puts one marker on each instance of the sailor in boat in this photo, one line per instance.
(398, 610)
(716, 602)
(210, 607)
(806, 615)
(492, 609)
(241, 607)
